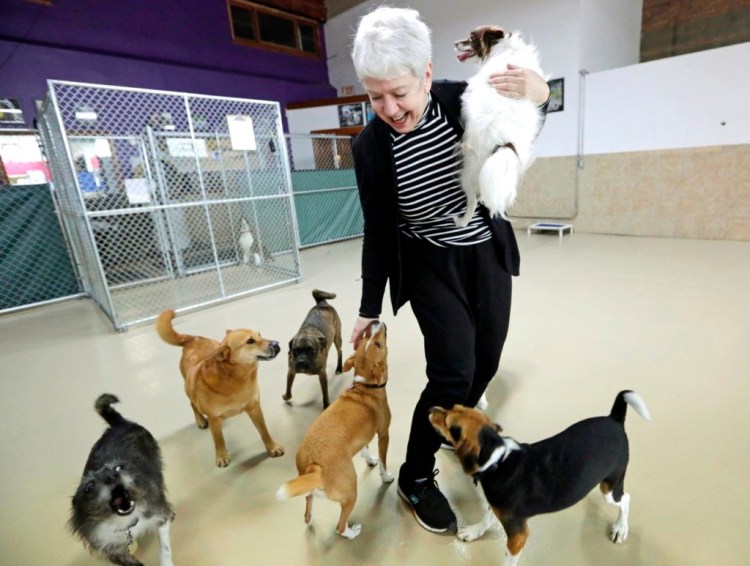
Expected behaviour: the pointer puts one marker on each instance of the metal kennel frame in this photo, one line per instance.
(154, 194)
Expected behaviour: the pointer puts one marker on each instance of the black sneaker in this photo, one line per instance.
(430, 506)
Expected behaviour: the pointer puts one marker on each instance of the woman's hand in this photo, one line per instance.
(520, 83)
(359, 328)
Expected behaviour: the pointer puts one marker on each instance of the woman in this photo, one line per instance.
(458, 280)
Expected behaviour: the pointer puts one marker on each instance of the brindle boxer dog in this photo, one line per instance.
(308, 350)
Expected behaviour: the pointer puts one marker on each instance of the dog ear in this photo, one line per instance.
(349, 363)
(224, 353)
(469, 463)
(455, 431)
(437, 416)
(290, 344)
(492, 35)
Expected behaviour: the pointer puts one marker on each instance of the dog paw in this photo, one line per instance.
(352, 531)
(386, 476)
(470, 532)
(286, 397)
(372, 462)
(460, 222)
(222, 460)
(275, 451)
(202, 423)
(619, 533)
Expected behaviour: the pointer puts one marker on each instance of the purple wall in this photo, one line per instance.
(180, 45)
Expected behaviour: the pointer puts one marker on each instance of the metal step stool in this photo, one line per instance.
(550, 227)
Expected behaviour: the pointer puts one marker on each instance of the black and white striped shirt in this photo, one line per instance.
(429, 190)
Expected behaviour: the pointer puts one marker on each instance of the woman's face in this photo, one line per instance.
(400, 102)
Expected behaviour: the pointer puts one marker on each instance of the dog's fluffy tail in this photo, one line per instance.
(167, 333)
(321, 296)
(499, 179)
(305, 484)
(103, 406)
(620, 407)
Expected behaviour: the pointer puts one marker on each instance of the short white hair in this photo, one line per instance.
(390, 43)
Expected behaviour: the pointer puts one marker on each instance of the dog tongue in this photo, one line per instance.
(122, 503)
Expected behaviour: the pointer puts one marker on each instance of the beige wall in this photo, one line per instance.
(684, 193)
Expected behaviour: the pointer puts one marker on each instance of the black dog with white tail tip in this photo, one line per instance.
(523, 480)
(122, 493)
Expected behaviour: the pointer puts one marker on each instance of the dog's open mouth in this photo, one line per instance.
(464, 55)
(121, 502)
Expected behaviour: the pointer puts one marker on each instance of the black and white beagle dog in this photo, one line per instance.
(523, 480)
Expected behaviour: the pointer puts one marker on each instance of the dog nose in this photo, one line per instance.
(275, 348)
(111, 477)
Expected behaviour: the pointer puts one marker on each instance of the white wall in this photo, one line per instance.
(610, 34)
(305, 120)
(671, 103)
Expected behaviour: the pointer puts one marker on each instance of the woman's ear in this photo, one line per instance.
(428, 77)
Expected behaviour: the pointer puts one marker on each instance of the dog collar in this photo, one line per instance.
(371, 385)
(132, 543)
(368, 385)
(498, 456)
(482, 474)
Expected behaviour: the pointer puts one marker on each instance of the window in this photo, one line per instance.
(267, 28)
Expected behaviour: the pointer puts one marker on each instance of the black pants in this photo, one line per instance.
(461, 298)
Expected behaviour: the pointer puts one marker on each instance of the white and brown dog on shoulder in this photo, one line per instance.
(499, 131)
(523, 480)
(122, 494)
(346, 427)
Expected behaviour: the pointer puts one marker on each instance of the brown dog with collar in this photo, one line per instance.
(324, 459)
(221, 379)
(308, 350)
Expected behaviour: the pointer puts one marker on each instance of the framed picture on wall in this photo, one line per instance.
(556, 95)
(10, 111)
(351, 115)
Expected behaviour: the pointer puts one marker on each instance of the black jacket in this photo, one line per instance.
(376, 180)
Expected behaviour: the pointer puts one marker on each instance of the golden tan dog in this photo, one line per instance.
(324, 459)
(221, 379)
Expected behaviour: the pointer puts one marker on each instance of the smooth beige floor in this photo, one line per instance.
(591, 315)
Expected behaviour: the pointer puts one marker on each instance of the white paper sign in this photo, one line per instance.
(186, 147)
(102, 148)
(137, 190)
(241, 133)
